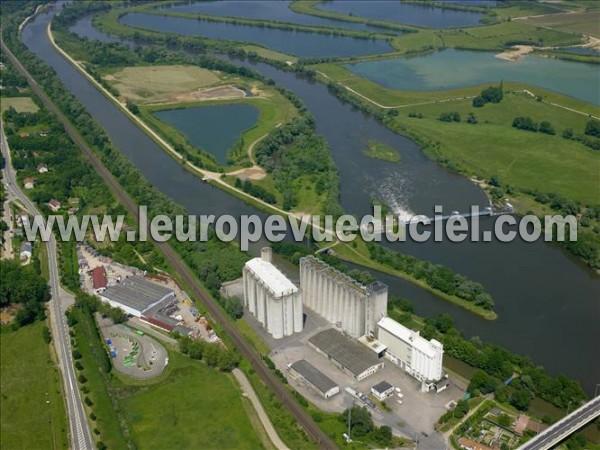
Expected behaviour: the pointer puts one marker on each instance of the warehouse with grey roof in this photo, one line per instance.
(136, 295)
(314, 378)
(347, 354)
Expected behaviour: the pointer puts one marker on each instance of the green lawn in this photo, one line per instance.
(21, 104)
(520, 158)
(32, 408)
(195, 407)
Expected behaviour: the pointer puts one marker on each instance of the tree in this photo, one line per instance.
(520, 399)
(483, 382)
(361, 422)
(568, 133)
(479, 102)
(472, 119)
(592, 128)
(383, 436)
(546, 127)
(492, 94)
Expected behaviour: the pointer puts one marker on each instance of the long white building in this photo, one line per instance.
(406, 348)
(351, 306)
(271, 297)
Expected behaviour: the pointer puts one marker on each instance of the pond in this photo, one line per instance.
(404, 13)
(214, 128)
(297, 43)
(278, 11)
(430, 73)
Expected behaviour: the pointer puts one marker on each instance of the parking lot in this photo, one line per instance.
(139, 356)
(414, 418)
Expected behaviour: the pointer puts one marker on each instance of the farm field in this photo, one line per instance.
(21, 104)
(579, 22)
(159, 83)
(32, 408)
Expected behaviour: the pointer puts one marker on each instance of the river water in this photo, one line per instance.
(547, 303)
(292, 42)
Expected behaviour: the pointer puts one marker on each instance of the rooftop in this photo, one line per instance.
(382, 387)
(313, 375)
(99, 279)
(347, 352)
(409, 336)
(277, 282)
(136, 293)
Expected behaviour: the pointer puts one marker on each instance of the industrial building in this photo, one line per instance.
(382, 390)
(314, 378)
(346, 303)
(271, 297)
(406, 348)
(347, 354)
(136, 295)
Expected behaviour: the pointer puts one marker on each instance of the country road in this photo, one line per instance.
(80, 435)
(197, 289)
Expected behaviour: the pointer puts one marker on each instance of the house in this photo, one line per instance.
(29, 183)
(42, 168)
(26, 251)
(99, 279)
(382, 390)
(54, 205)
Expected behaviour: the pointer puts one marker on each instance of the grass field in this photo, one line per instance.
(32, 408)
(189, 406)
(522, 159)
(195, 407)
(580, 22)
(21, 104)
(155, 83)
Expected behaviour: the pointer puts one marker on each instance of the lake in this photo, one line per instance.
(540, 291)
(430, 73)
(214, 129)
(404, 13)
(278, 11)
(297, 43)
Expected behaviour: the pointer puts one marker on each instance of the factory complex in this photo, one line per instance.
(361, 336)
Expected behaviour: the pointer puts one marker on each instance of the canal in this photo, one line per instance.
(547, 303)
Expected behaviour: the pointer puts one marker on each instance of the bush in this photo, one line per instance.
(479, 102)
(547, 128)
(76, 354)
(88, 401)
(592, 128)
(46, 335)
(82, 379)
(472, 119)
(450, 117)
(525, 123)
(78, 365)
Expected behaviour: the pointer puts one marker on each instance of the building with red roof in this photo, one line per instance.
(99, 279)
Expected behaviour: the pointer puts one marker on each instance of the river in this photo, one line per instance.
(547, 303)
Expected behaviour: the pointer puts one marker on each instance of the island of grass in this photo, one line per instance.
(32, 406)
(379, 150)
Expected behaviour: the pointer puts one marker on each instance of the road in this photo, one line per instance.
(263, 372)
(565, 427)
(80, 435)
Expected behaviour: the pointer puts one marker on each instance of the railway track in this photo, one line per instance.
(266, 376)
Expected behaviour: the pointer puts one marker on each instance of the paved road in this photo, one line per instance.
(80, 435)
(197, 289)
(563, 428)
